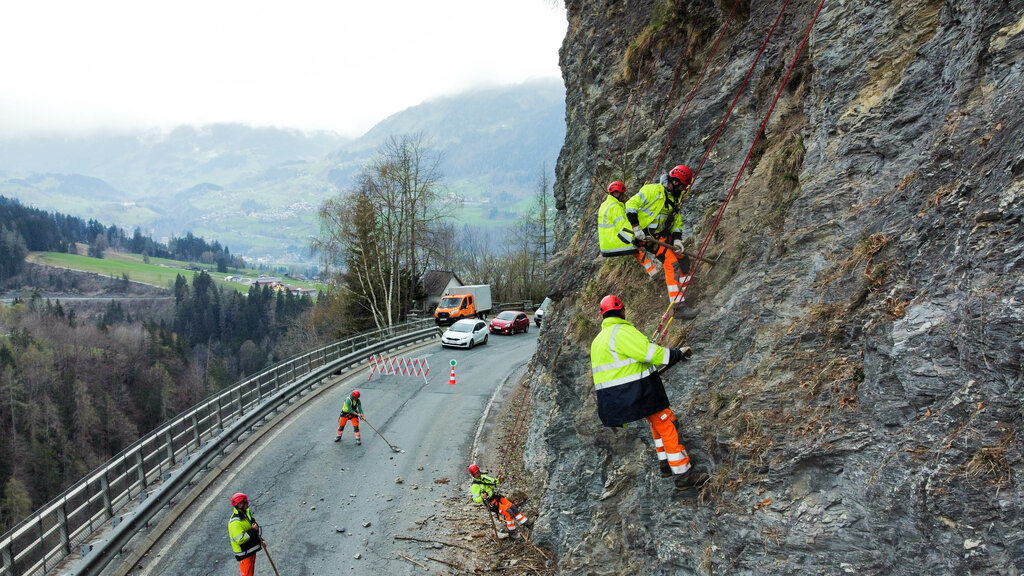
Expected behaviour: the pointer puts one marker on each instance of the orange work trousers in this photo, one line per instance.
(508, 510)
(677, 272)
(344, 420)
(666, 441)
(247, 565)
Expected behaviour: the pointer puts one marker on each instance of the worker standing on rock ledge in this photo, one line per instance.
(625, 369)
(485, 491)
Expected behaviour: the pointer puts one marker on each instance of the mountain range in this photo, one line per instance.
(257, 189)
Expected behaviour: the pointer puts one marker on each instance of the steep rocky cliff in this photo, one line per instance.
(855, 388)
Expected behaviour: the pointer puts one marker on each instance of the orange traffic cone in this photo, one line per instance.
(451, 379)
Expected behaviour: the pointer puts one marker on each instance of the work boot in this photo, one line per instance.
(666, 470)
(525, 523)
(337, 438)
(691, 479)
(359, 442)
(684, 312)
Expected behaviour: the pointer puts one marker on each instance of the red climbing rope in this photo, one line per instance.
(757, 138)
(743, 85)
(693, 91)
(666, 318)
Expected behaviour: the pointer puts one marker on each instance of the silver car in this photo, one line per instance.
(465, 334)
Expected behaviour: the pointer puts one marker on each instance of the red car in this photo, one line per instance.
(510, 322)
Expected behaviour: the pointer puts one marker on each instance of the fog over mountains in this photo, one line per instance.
(257, 189)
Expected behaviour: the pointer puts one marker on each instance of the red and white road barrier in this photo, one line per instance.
(399, 366)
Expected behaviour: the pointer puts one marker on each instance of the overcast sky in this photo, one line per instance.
(342, 65)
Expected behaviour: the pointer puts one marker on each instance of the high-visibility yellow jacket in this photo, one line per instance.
(352, 406)
(613, 230)
(653, 210)
(244, 540)
(624, 364)
(483, 488)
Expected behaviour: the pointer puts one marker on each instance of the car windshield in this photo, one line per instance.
(459, 327)
(507, 316)
(449, 302)
(544, 304)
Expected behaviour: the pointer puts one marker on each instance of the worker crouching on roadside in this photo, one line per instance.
(485, 491)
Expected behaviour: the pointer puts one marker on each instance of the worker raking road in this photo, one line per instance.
(625, 369)
(485, 491)
(245, 535)
(352, 409)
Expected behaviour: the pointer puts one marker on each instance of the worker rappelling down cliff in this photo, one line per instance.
(854, 249)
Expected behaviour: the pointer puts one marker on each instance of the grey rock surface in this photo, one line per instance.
(856, 382)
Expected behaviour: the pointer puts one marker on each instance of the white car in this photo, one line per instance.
(465, 334)
(538, 316)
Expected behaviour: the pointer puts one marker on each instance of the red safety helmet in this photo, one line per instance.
(238, 499)
(616, 188)
(610, 303)
(683, 174)
(355, 393)
(473, 469)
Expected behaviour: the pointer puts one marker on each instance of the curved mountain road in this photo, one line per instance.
(304, 487)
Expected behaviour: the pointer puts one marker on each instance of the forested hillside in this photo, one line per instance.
(75, 391)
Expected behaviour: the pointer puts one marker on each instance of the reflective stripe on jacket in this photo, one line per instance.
(483, 487)
(652, 209)
(243, 541)
(613, 230)
(624, 365)
(352, 406)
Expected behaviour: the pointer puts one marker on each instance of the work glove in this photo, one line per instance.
(677, 244)
(638, 235)
(676, 355)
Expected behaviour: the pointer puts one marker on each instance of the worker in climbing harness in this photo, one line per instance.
(654, 213)
(614, 234)
(245, 534)
(485, 491)
(625, 369)
(351, 410)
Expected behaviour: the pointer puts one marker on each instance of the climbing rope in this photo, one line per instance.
(693, 91)
(757, 137)
(666, 318)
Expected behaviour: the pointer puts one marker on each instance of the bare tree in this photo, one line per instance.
(373, 239)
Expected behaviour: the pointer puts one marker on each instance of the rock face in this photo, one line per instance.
(855, 388)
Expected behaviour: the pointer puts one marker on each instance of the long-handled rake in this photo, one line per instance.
(272, 565)
(393, 449)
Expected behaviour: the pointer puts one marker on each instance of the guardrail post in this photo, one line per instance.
(170, 447)
(62, 521)
(39, 525)
(238, 399)
(105, 494)
(140, 466)
(195, 430)
(8, 559)
(220, 417)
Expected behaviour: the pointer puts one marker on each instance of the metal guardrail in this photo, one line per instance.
(163, 461)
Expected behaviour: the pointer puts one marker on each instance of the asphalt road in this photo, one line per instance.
(303, 486)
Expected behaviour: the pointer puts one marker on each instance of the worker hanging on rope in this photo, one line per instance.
(653, 213)
(625, 369)
(245, 535)
(351, 410)
(485, 491)
(614, 233)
